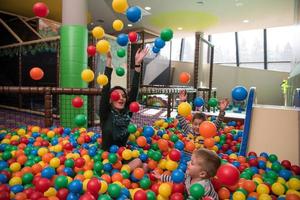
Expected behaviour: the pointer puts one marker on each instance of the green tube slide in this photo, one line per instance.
(73, 59)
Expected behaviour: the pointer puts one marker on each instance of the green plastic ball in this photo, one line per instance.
(80, 120)
(166, 34)
(145, 183)
(27, 178)
(120, 71)
(151, 195)
(131, 128)
(197, 191)
(121, 52)
(112, 158)
(104, 197)
(69, 163)
(61, 182)
(213, 102)
(114, 190)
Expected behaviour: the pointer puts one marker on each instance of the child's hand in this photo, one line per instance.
(108, 59)
(156, 175)
(223, 104)
(140, 55)
(182, 95)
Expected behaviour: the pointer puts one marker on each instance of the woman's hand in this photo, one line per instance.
(182, 96)
(223, 104)
(139, 56)
(108, 60)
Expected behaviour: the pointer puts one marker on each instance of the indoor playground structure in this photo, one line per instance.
(51, 81)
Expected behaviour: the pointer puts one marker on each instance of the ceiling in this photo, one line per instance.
(211, 16)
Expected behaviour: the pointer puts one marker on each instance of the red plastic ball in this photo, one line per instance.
(140, 195)
(115, 95)
(174, 155)
(228, 174)
(62, 193)
(286, 164)
(43, 184)
(77, 102)
(79, 162)
(178, 188)
(40, 9)
(177, 196)
(295, 169)
(68, 146)
(36, 73)
(134, 107)
(91, 50)
(36, 195)
(94, 185)
(155, 187)
(133, 36)
(87, 196)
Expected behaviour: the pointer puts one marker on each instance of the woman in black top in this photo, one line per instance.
(115, 115)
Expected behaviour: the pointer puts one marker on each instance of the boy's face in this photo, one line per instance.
(195, 125)
(194, 168)
(120, 104)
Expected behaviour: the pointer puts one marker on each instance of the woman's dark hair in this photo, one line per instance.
(201, 116)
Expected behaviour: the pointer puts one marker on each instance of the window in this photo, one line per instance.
(279, 48)
(176, 47)
(224, 51)
(251, 49)
(205, 50)
(188, 53)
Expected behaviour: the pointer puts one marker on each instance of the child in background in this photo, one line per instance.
(198, 118)
(115, 115)
(202, 167)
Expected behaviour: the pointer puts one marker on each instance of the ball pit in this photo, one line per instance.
(62, 163)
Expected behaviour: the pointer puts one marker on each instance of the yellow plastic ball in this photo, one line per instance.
(264, 197)
(98, 32)
(166, 136)
(262, 189)
(184, 109)
(117, 25)
(132, 137)
(135, 153)
(215, 148)
(35, 129)
(5, 141)
(137, 134)
(15, 167)
(126, 154)
(50, 134)
(278, 189)
(165, 190)
(126, 168)
(281, 180)
(162, 164)
(103, 187)
(233, 156)
(257, 180)
(69, 179)
(103, 46)
(58, 148)
(119, 6)
(42, 151)
(87, 75)
(171, 165)
(294, 184)
(87, 158)
(51, 192)
(14, 138)
(161, 197)
(217, 138)
(55, 162)
(165, 125)
(15, 181)
(102, 79)
(84, 184)
(238, 196)
(88, 174)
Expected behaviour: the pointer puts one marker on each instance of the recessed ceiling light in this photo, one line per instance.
(179, 28)
(147, 8)
(200, 2)
(129, 25)
(246, 21)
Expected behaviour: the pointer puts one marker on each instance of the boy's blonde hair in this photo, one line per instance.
(209, 161)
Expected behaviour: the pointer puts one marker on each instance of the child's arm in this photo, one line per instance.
(223, 105)
(139, 56)
(182, 121)
(162, 177)
(104, 102)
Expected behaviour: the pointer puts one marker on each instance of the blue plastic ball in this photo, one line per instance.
(17, 188)
(3, 179)
(198, 101)
(159, 43)
(177, 176)
(239, 93)
(48, 172)
(122, 39)
(179, 145)
(262, 164)
(155, 49)
(133, 14)
(107, 167)
(148, 131)
(113, 149)
(286, 174)
(75, 186)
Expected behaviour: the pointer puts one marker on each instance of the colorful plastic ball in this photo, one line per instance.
(294, 183)
(141, 141)
(199, 101)
(91, 50)
(133, 36)
(112, 158)
(3, 179)
(94, 185)
(228, 174)
(138, 173)
(87, 75)
(197, 191)
(61, 182)
(17, 188)
(151, 195)
(119, 6)
(207, 129)
(121, 52)
(14, 167)
(239, 93)
(262, 189)
(77, 102)
(122, 39)
(155, 49)
(148, 131)
(184, 109)
(117, 25)
(174, 155)
(131, 128)
(166, 34)
(224, 193)
(209, 142)
(120, 71)
(103, 46)
(184, 77)
(36, 73)
(80, 120)
(102, 79)
(43, 184)
(40, 9)
(48, 172)
(134, 107)
(165, 190)
(140, 195)
(133, 14)
(286, 174)
(213, 102)
(177, 176)
(114, 190)
(179, 145)
(145, 183)
(159, 43)
(126, 154)
(75, 186)
(296, 169)
(238, 196)
(79, 162)
(278, 189)
(98, 32)
(115, 95)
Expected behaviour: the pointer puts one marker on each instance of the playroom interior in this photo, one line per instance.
(53, 57)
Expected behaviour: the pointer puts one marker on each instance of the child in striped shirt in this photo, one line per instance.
(202, 167)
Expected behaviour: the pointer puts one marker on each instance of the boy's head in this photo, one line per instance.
(204, 164)
(198, 118)
(120, 104)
